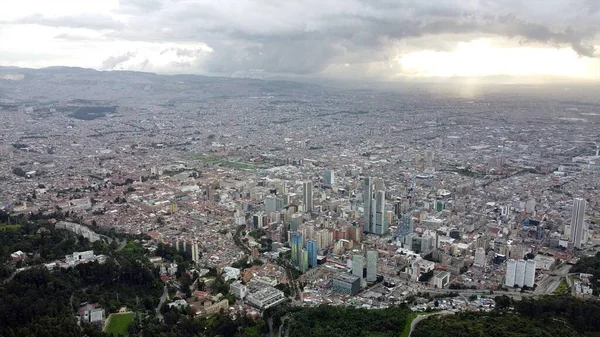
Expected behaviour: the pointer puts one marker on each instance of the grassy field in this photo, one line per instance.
(118, 323)
(5, 227)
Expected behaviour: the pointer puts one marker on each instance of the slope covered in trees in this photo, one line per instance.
(547, 316)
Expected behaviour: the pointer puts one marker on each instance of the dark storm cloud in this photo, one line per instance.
(85, 20)
(113, 61)
(306, 37)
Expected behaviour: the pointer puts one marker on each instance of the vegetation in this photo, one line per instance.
(118, 323)
(590, 265)
(338, 321)
(546, 316)
(562, 289)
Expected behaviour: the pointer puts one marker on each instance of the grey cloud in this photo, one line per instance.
(139, 6)
(307, 37)
(113, 61)
(85, 20)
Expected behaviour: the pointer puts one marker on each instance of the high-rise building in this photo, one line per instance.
(270, 204)
(258, 221)
(311, 247)
(308, 196)
(578, 227)
(520, 273)
(296, 245)
(405, 226)
(529, 273)
(371, 266)
(380, 224)
(479, 257)
(303, 260)
(367, 203)
(357, 265)
(329, 177)
(511, 268)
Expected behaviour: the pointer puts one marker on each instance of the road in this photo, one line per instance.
(416, 321)
(163, 298)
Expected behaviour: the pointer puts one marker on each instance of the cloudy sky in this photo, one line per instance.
(343, 39)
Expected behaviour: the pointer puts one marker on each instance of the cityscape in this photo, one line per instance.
(340, 168)
(318, 195)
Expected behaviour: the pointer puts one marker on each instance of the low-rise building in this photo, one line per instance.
(346, 284)
(266, 297)
(441, 279)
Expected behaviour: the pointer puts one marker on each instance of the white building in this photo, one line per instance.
(357, 265)
(578, 227)
(371, 266)
(520, 273)
(441, 279)
(529, 273)
(266, 297)
(479, 257)
(238, 290)
(511, 268)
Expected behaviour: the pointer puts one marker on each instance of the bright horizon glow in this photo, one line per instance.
(481, 58)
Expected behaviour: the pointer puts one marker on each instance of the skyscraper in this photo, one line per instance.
(308, 196)
(270, 204)
(367, 202)
(296, 246)
(303, 260)
(357, 265)
(511, 268)
(578, 227)
(371, 266)
(380, 224)
(311, 247)
(329, 177)
(405, 226)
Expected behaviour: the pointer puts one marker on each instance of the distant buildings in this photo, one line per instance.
(520, 273)
(238, 290)
(578, 227)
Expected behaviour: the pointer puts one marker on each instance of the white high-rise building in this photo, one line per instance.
(578, 227)
(479, 257)
(371, 266)
(530, 206)
(380, 224)
(357, 265)
(520, 273)
(308, 196)
(511, 268)
(529, 273)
